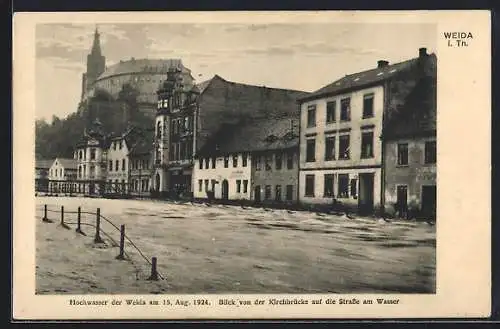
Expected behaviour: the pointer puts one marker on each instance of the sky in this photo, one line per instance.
(292, 56)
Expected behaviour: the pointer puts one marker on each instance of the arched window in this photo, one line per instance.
(158, 130)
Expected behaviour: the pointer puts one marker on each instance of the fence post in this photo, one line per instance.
(62, 219)
(121, 256)
(45, 218)
(79, 222)
(154, 272)
(97, 238)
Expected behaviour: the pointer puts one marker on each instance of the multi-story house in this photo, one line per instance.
(188, 116)
(255, 160)
(90, 153)
(117, 176)
(42, 175)
(410, 154)
(342, 133)
(63, 175)
(141, 159)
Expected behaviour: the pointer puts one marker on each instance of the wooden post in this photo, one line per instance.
(62, 219)
(154, 272)
(97, 238)
(45, 218)
(121, 256)
(79, 222)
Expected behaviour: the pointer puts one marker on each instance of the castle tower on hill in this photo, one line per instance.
(96, 64)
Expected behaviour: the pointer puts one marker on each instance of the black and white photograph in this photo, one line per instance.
(246, 157)
(236, 157)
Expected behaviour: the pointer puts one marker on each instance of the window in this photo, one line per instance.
(238, 186)
(92, 154)
(277, 193)
(213, 181)
(330, 111)
(258, 162)
(310, 150)
(207, 164)
(269, 159)
(226, 162)
(345, 109)
(267, 192)
(114, 146)
(309, 185)
(329, 148)
(213, 162)
(354, 189)
(311, 116)
(343, 191)
(124, 164)
(430, 152)
(289, 192)
(245, 186)
(158, 130)
(80, 155)
(235, 161)
(402, 154)
(344, 147)
(367, 145)
(368, 106)
(117, 165)
(279, 160)
(289, 160)
(244, 159)
(110, 165)
(200, 163)
(121, 144)
(328, 188)
(206, 185)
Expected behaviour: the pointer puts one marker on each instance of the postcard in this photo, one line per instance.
(251, 165)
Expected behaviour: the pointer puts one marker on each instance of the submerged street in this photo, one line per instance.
(227, 249)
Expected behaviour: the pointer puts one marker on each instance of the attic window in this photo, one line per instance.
(271, 138)
(380, 73)
(392, 71)
(338, 83)
(356, 79)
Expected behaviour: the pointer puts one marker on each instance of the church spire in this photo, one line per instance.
(96, 45)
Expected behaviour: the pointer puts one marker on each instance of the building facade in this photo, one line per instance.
(342, 133)
(63, 175)
(91, 155)
(117, 175)
(42, 175)
(254, 160)
(141, 158)
(228, 176)
(188, 118)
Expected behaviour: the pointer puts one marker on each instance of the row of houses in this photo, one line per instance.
(366, 141)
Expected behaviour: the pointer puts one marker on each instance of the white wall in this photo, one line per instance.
(120, 154)
(231, 174)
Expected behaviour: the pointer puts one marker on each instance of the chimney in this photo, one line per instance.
(422, 52)
(382, 63)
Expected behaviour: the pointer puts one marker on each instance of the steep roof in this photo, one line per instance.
(362, 79)
(143, 145)
(143, 65)
(67, 163)
(253, 136)
(202, 86)
(43, 164)
(417, 116)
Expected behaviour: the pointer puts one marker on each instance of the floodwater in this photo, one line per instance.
(228, 249)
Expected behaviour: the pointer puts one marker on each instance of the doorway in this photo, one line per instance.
(366, 185)
(157, 182)
(402, 200)
(225, 190)
(428, 207)
(257, 193)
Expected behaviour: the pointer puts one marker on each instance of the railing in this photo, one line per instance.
(155, 275)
